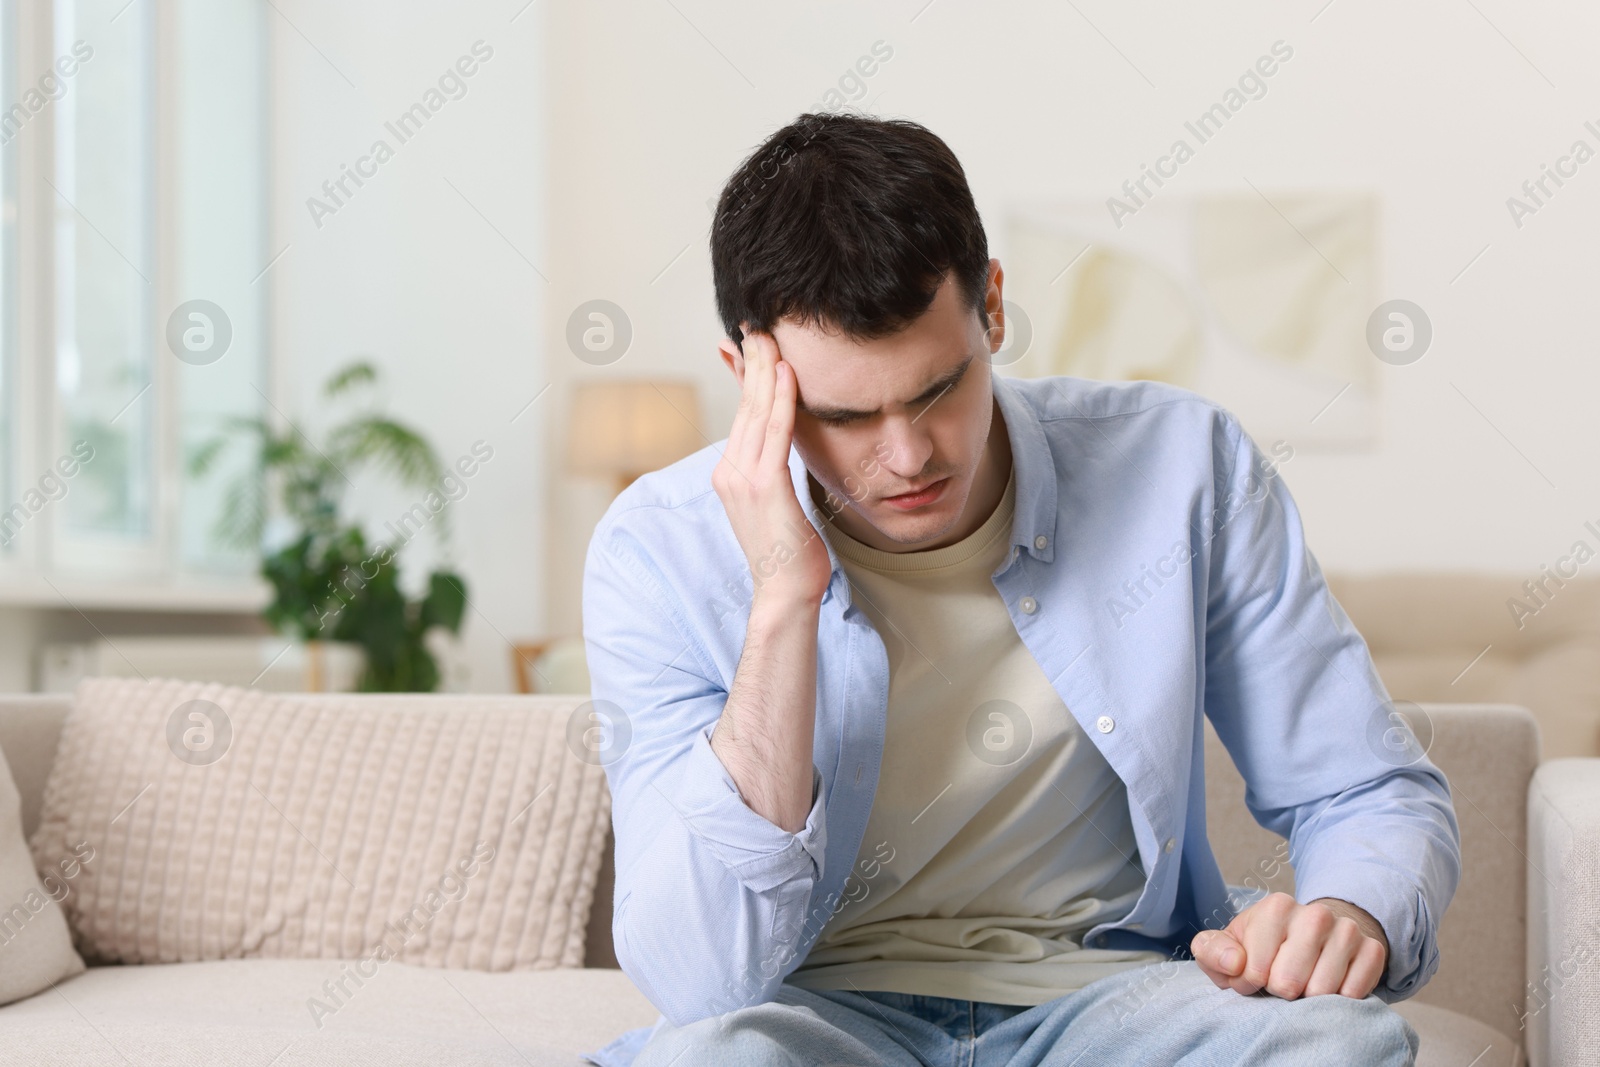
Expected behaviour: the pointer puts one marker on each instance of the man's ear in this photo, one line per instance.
(994, 304)
(729, 351)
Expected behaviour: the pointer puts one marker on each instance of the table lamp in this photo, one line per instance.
(621, 428)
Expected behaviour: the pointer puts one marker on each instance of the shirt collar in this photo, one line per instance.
(1033, 530)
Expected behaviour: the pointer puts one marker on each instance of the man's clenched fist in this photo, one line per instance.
(1293, 950)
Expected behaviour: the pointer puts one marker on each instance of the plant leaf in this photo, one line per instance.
(205, 454)
(446, 602)
(351, 376)
(243, 513)
(389, 444)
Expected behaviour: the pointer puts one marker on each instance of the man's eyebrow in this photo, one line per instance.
(944, 382)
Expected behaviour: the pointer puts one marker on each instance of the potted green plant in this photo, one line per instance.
(328, 583)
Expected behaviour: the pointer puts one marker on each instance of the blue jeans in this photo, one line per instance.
(1164, 1013)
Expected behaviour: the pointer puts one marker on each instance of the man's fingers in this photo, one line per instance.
(765, 368)
(1262, 932)
(780, 426)
(744, 440)
(751, 421)
(736, 434)
(1219, 956)
(1292, 950)
(1309, 928)
(760, 355)
(1334, 964)
(1365, 970)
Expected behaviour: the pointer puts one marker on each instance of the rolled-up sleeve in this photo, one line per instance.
(761, 854)
(1292, 690)
(709, 893)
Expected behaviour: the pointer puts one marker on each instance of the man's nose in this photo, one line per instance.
(905, 449)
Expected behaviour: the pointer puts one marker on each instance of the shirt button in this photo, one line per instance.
(1105, 724)
(1028, 605)
(1171, 844)
(1040, 542)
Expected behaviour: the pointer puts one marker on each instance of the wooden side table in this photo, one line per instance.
(523, 655)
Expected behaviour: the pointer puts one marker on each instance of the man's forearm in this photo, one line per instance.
(764, 735)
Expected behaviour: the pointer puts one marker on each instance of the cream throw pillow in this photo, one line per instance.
(35, 945)
(230, 823)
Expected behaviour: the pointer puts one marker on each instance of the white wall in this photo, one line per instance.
(1426, 102)
(640, 110)
(409, 273)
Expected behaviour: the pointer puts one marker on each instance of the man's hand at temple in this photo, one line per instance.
(1293, 950)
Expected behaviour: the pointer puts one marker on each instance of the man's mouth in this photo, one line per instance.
(919, 497)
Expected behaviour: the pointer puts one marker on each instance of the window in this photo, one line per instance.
(132, 278)
(8, 268)
(101, 184)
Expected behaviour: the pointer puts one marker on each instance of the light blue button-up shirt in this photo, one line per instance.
(1159, 572)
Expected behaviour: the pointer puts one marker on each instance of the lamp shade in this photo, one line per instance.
(621, 428)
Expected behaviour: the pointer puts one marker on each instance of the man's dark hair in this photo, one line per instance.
(847, 222)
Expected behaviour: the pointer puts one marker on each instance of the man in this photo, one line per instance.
(906, 681)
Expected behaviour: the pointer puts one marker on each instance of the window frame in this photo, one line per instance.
(46, 553)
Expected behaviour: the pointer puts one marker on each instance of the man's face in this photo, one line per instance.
(876, 421)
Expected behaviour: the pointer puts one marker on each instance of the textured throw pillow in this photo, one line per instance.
(35, 945)
(458, 831)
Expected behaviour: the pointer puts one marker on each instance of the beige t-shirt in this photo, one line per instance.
(1007, 833)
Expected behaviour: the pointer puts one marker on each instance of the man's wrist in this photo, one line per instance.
(777, 609)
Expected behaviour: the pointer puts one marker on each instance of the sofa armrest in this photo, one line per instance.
(30, 730)
(1561, 1016)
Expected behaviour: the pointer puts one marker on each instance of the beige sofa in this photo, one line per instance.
(1454, 637)
(1519, 943)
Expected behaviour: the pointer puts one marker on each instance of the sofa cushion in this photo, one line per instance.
(1449, 1039)
(226, 1012)
(235, 823)
(1475, 637)
(35, 946)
